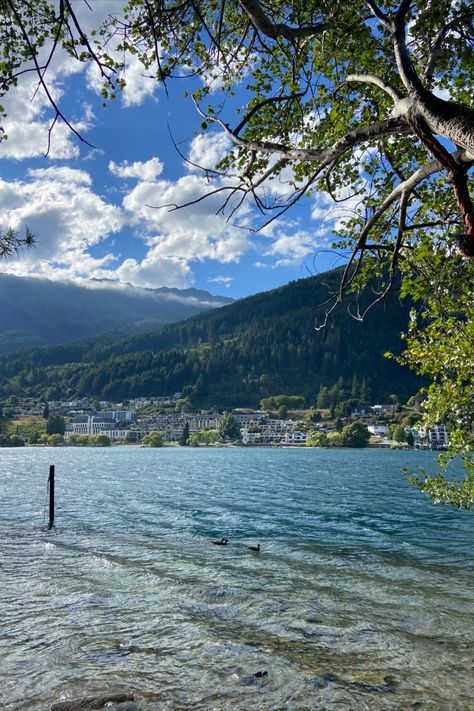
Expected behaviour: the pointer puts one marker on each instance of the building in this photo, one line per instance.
(378, 430)
(94, 425)
(438, 437)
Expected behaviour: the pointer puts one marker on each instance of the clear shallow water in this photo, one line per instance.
(362, 596)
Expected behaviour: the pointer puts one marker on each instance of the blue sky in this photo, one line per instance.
(95, 211)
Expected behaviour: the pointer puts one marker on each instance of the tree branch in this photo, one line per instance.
(261, 104)
(263, 24)
(437, 43)
(403, 188)
(371, 79)
(457, 175)
(324, 156)
(40, 72)
(380, 15)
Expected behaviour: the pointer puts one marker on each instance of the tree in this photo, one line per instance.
(183, 405)
(55, 425)
(355, 435)
(153, 439)
(274, 402)
(204, 437)
(100, 440)
(399, 434)
(317, 439)
(11, 241)
(16, 441)
(323, 399)
(314, 416)
(184, 436)
(335, 439)
(46, 412)
(344, 408)
(55, 440)
(229, 428)
(440, 345)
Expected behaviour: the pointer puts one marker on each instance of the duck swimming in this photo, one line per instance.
(255, 548)
(222, 542)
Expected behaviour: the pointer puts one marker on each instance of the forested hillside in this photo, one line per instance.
(39, 312)
(231, 356)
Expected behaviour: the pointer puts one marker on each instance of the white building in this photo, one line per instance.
(118, 415)
(94, 425)
(379, 430)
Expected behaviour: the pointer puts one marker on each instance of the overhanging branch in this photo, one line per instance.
(263, 24)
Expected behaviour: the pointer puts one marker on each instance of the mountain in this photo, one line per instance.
(38, 312)
(235, 355)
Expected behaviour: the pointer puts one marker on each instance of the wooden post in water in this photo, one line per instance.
(51, 495)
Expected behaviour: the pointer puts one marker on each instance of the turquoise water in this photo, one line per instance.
(361, 598)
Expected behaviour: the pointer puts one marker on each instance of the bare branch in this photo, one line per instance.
(86, 42)
(371, 79)
(40, 72)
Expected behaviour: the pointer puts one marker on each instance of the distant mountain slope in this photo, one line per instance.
(235, 355)
(38, 312)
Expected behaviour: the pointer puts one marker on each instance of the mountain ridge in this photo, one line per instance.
(234, 355)
(40, 312)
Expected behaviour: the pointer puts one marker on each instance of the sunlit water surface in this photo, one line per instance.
(361, 598)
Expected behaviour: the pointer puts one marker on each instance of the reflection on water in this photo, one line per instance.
(361, 598)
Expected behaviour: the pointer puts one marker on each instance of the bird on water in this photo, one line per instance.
(255, 548)
(222, 542)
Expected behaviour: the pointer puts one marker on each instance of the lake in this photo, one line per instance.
(362, 597)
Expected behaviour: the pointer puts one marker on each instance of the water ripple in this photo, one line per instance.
(361, 598)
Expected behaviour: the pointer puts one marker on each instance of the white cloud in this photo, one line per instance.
(138, 85)
(30, 116)
(292, 248)
(208, 149)
(66, 217)
(156, 270)
(146, 172)
(195, 232)
(29, 111)
(224, 280)
(61, 174)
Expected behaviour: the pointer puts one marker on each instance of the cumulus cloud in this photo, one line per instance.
(208, 149)
(155, 270)
(292, 248)
(195, 232)
(66, 217)
(29, 110)
(147, 172)
(30, 116)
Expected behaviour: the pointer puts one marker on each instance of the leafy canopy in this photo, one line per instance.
(440, 345)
